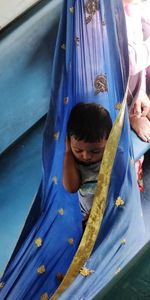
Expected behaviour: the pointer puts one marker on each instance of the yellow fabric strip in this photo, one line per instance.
(95, 219)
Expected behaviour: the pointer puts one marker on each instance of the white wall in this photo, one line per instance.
(10, 9)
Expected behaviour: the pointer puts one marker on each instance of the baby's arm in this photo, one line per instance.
(71, 175)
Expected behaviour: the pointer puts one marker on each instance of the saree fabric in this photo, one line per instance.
(90, 65)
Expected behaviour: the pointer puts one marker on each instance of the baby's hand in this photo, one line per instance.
(68, 147)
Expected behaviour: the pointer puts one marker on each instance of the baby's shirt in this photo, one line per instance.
(89, 176)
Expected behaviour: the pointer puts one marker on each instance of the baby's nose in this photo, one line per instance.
(86, 155)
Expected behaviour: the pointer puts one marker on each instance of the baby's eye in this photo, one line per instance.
(78, 150)
(97, 151)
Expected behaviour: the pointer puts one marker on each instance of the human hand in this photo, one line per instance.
(68, 146)
(141, 106)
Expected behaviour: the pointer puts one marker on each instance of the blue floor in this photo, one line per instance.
(20, 177)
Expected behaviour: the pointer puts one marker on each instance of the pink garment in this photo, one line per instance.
(146, 34)
(139, 46)
(138, 31)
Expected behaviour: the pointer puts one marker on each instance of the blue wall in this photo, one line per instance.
(26, 55)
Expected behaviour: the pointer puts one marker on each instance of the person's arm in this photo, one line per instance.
(71, 175)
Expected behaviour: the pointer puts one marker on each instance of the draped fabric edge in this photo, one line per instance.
(95, 219)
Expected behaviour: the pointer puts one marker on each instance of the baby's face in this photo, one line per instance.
(87, 153)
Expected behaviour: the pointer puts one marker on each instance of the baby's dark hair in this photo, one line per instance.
(89, 122)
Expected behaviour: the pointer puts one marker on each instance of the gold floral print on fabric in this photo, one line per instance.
(86, 272)
(71, 9)
(56, 135)
(38, 242)
(66, 100)
(117, 271)
(44, 296)
(95, 219)
(61, 211)
(63, 46)
(118, 105)
(71, 241)
(100, 84)
(2, 284)
(77, 40)
(91, 7)
(41, 269)
(60, 276)
(54, 180)
(119, 202)
(123, 242)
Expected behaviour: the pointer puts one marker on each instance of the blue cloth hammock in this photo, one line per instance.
(90, 64)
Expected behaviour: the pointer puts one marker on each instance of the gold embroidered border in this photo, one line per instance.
(95, 219)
